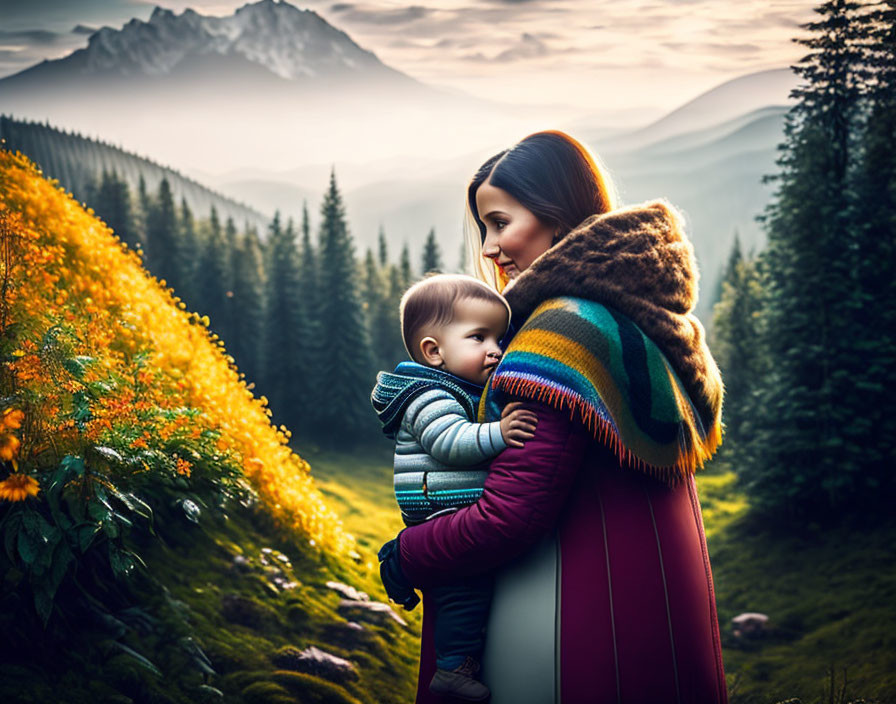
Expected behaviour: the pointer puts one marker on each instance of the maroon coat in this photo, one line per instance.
(634, 615)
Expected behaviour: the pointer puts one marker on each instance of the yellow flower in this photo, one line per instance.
(18, 487)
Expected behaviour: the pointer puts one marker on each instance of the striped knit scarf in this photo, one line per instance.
(580, 355)
(394, 391)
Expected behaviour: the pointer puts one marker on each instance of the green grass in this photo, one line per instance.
(235, 613)
(830, 595)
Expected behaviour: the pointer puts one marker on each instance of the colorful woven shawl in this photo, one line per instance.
(582, 356)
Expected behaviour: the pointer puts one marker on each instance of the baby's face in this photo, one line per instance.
(468, 345)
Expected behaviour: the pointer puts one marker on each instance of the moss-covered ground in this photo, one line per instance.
(830, 594)
(228, 604)
(232, 601)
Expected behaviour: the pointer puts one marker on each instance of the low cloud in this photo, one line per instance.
(30, 37)
(390, 16)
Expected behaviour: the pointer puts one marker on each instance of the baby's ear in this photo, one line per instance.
(429, 349)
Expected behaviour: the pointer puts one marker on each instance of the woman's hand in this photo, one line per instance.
(517, 424)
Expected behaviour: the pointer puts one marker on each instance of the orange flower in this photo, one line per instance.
(183, 467)
(12, 418)
(9, 446)
(18, 487)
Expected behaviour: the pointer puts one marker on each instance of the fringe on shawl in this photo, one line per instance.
(692, 452)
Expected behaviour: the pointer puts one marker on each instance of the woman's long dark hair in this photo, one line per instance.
(549, 173)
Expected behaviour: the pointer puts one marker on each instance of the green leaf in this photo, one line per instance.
(121, 561)
(74, 464)
(62, 558)
(144, 662)
(11, 531)
(77, 366)
(98, 510)
(86, 534)
(109, 454)
(43, 603)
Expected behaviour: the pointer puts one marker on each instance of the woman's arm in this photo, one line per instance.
(524, 492)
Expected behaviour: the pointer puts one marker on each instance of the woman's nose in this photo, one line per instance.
(490, 247)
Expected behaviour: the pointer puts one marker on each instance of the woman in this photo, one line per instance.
(604, 591)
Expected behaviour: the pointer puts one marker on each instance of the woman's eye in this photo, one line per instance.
(500, 225)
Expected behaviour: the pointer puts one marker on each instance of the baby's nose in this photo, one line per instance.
(494, 355)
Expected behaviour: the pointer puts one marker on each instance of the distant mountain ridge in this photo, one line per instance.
(76, 161)
(286, 41)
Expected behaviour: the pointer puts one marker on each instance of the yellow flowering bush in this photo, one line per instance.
(109, 387)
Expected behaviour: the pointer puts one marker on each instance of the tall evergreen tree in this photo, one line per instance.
(382, 248)
(376, 304)
(161, 235)
(309, 297)
(141, 216)
(874, 255)
(405, 273)
(735, 333)
(248, 300)
(432, 255)
(394, 350)
(213, 276)
(809, 460)
(346, 366)
(288, 364)
(231, 251)
(188, 256)
(112, 202)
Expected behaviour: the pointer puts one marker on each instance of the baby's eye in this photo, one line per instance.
(477, 337)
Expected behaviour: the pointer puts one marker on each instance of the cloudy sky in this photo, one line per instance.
(639, 53)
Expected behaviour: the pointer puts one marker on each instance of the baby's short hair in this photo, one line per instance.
(430, 302)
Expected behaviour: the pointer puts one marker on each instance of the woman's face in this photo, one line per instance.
(514, 236)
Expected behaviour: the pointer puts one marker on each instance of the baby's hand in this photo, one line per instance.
(517, 424)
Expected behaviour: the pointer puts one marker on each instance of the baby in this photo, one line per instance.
(451, 326)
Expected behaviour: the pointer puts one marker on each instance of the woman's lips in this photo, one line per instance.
(508, 268)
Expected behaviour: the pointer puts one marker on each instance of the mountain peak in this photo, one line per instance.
(287, 41)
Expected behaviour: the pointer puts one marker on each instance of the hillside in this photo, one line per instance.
(76, 161)
(163, 543)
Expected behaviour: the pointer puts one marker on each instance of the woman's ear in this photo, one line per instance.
(429, 348)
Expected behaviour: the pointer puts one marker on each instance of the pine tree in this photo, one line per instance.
(309, 297)
(231, 253)
(345, 362)
(874, 255)
(432, 255)
(248, 300)
(734, 333)
(161, 235)
(188, 257)
(405, 274)
(287, 363)
(383, 248)
(394, 350)
(376, 306)
(808, 461)
(144, 205)
(112, 202)
(213, 276)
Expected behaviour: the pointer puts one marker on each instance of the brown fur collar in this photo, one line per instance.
(638, 261)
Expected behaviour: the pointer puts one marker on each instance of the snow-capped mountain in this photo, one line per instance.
(289, 42)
